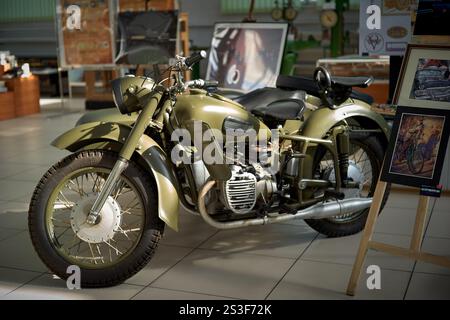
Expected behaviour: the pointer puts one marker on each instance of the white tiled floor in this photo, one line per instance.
(285, 261)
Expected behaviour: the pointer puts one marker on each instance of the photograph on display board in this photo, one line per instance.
(246, 56)
(432, 18)
(86, 32)
(417, 147)
(424, 79)
(147, 38)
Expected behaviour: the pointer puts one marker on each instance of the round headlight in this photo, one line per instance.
(128, 92)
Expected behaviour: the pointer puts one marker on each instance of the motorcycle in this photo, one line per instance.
(313, 153)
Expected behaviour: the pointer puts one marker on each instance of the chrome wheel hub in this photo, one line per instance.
(107, 224)
(356, 174)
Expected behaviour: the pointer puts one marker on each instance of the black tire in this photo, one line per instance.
(152, 232)
(375, 150)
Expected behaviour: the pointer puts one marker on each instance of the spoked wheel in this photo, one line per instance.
(366, 154)
(125, 235)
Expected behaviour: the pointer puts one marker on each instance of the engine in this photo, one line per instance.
(247, 187)
(239, 192)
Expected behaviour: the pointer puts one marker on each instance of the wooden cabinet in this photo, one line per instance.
(26, 95)
(7, 105)
(21, 99)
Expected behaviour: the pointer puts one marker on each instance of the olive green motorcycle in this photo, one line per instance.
(271, 155)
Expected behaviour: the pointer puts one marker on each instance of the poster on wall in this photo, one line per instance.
(384, 27)
(86, 32)
(246, 56)
(147, 38)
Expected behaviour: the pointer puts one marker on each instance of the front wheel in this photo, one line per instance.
(365, 160)
(124, 237)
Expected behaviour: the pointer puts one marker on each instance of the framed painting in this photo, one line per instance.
(417, 147)
(424, 79)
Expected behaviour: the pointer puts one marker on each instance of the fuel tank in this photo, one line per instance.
(216, 111)
(212, 111)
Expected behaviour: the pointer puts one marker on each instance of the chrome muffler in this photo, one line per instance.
(317, 211)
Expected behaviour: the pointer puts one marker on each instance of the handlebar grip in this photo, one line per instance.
(211, 84)
(194, 58)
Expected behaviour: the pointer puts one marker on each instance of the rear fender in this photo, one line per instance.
(111, 136)
(319, 123)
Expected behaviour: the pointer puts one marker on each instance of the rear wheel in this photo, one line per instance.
(365, 160)
(125, 235)
(415, 159)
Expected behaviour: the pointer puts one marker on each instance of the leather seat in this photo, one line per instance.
(310, 86)
(360, 82)
(274, 103)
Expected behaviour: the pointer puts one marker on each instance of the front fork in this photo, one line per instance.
(129, 146)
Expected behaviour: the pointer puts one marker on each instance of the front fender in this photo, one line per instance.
(102, 134)
(322, 120)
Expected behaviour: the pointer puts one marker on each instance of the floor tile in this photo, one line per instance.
(239, 275)
(8, 169)
(165, 294)
(439, 225)
(443, 204)
(6, 233)
(164, 258)
(276, 240)
(33, 175)
(192, 232)
(396, 221)
(428, 287)
(344, 250)
(11, 279)
(14, 215)
(11, 190)
(317, 280)
(436, 246)
(45, 156)
(402, 200)
(18, 252)
(47, 288)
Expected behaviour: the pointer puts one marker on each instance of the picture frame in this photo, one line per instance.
(424, 79)
(246, 56)
(417, 147)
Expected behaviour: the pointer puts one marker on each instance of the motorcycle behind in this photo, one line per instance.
(308, 149)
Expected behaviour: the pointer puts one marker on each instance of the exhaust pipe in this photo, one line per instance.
(317, 211)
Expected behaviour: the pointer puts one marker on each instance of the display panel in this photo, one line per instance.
(147, 37)
(246, 56)
(86, 32)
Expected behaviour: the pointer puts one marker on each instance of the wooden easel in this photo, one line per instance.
(414, 252)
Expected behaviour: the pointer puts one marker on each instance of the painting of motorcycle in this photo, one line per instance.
(417, 146)
(424, 80)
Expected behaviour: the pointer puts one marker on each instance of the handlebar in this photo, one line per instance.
(194, 58)
(201, 84)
